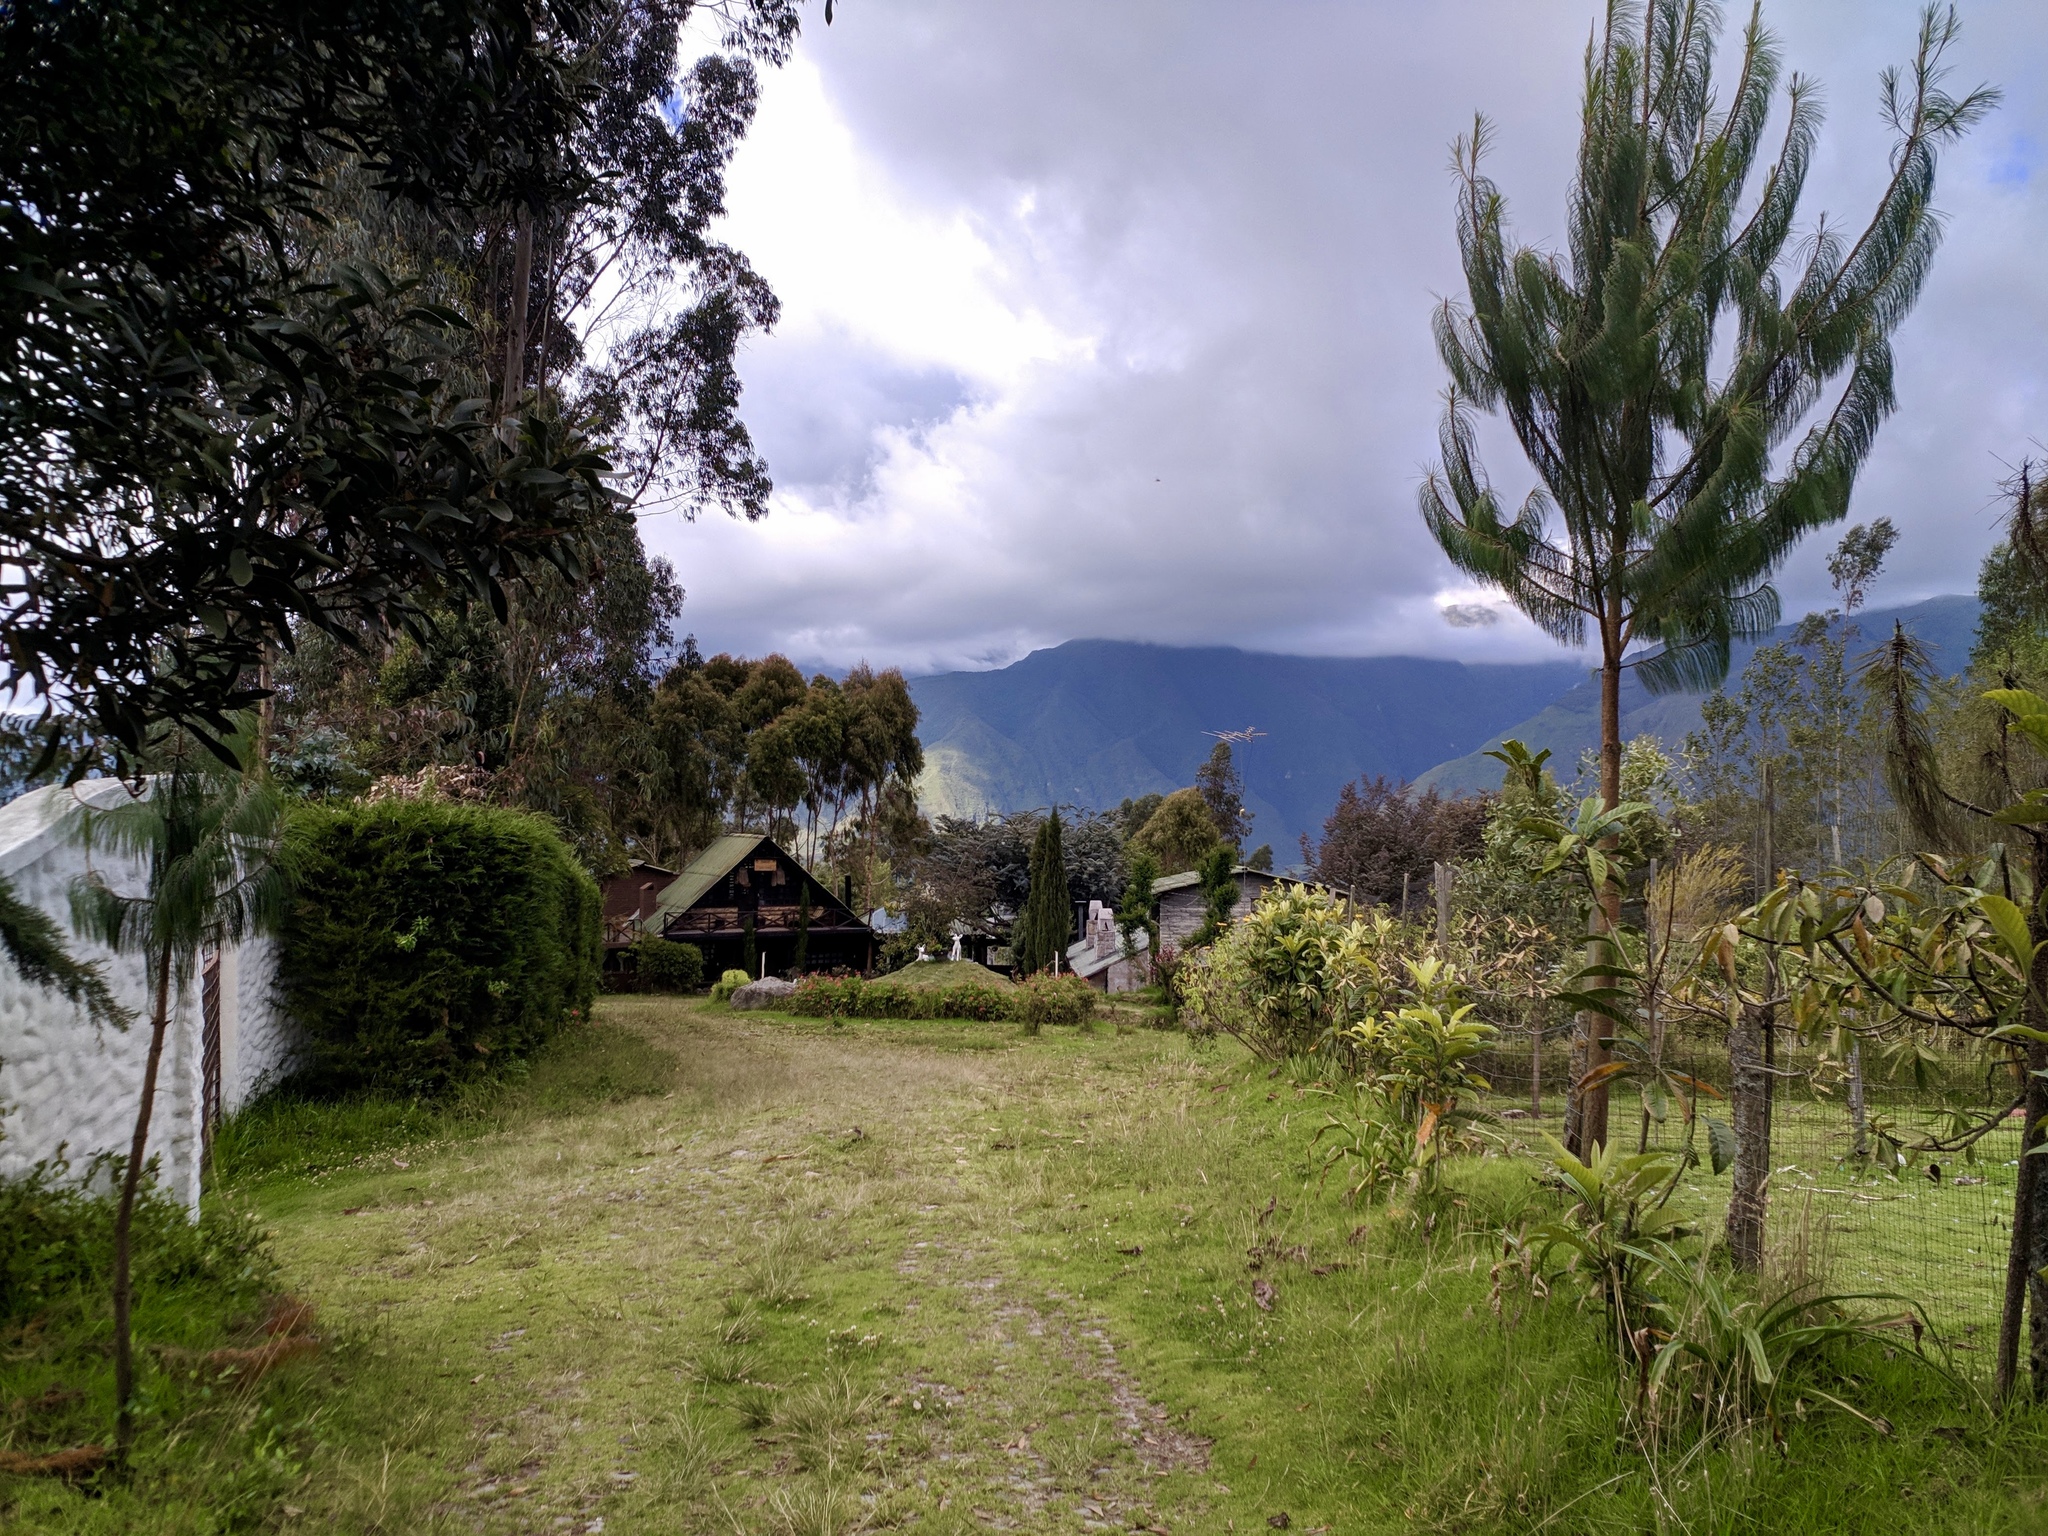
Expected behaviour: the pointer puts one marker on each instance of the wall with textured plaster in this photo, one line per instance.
(69, 1088)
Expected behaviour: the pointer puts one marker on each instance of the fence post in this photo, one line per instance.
(1445, 874)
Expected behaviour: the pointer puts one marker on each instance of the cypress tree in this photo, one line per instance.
(1043, 928)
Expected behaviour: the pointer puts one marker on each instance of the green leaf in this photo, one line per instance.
(2026, 813)
(1721, 1145)
(2010, 923)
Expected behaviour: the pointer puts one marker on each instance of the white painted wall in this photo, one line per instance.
(69, 1088)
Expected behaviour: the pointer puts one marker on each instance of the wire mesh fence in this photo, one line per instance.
(1935, 1230)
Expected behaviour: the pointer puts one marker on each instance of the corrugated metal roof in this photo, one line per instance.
(1186, 878)
(703, 872)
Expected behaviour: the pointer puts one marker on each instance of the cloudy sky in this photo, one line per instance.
(1112, 319)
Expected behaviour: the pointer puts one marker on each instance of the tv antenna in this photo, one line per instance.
(1244, 737)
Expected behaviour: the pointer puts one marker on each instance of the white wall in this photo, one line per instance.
(70, 1088)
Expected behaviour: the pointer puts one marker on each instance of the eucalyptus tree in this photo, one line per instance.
(1656, 371)
(206, 839)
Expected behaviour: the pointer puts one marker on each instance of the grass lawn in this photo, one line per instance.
(707, 1272)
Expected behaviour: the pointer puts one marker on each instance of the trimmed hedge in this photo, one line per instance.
(666, 965)
(426, 942)
(1042, 1000)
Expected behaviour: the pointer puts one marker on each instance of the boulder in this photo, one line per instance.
(765, 993)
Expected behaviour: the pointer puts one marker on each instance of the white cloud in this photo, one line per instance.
(1113, 321)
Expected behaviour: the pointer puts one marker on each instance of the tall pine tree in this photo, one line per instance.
(1656, 368)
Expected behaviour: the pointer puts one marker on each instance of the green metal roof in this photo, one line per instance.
(703, 872)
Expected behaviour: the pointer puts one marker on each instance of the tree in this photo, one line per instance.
(1380, 832)
(1134, 911)
(1221, 787)
(1048, 919)
(1219, 895)
(211, 437)
(207, 839)
(1180, 833)
(1651, 374)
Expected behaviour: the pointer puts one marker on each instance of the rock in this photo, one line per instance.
(765, 993)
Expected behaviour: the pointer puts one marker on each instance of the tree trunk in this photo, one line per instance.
(1586, 1114)
(1769, 1018)
(1748, 1198)
(2024, 1258)
(515, 326)
(124, 1221)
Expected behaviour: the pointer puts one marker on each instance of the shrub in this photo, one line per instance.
(1053, 1000)
(1065, 1000)
(664, 965)
(728, 984)
(426, 941)
(57, 1240)
(1292, 976)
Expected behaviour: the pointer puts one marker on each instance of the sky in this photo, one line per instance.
(1113, 320)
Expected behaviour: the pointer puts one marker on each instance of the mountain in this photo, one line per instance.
(1570, 723)
(1093, 721)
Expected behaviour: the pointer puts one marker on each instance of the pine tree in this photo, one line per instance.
(1664, 503)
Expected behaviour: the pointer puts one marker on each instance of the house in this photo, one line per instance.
(745, 889)
(629, 897)
(1179, 907)
(69, 1088)
(1098, 958)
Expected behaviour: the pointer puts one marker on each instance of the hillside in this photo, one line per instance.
(1571, 723)
(1093, 721)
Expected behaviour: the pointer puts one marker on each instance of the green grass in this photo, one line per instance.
(798, 1276)
(949, 973)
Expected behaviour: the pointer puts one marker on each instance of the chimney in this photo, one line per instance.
(646, 899)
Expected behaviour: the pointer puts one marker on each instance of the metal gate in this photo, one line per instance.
(209, 1054)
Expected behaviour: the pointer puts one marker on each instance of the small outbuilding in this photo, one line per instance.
(746, 892)
(1179, 907)
(1100, 959)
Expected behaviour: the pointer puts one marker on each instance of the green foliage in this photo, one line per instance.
(57, 1239)
(1134, 911)
(33, 942)
(854, 997)
(1041, 999)
(727, 984)
(1180, 833)
(1414, 1065)
(1293, 975)
(1218, 870)
(427, 942)
(1052, 1000)
(1729, 1351)
(666, 965)
(1047, 921)
(1662, 508)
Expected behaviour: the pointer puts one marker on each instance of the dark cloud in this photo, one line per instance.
(1113, 320)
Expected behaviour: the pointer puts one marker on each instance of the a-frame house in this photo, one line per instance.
(745, 887)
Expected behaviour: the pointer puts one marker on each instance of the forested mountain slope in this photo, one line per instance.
(1571, 723)
(1093, 721)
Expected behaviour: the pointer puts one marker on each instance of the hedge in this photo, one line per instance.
(1042, 1000)
(666, 965)
(426, 942)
